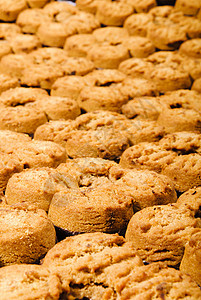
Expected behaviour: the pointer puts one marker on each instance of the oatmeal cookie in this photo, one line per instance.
(10, 9)
(78, 45)
(138, 24)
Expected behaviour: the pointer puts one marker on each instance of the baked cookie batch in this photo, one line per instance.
(100, 149)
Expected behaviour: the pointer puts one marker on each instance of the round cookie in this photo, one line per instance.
(147, 108)
(196, 86)
(78, 45)
(91, 260)
(156, 281)
(179, 119)
(184, 171)
(77, 66)
(9, 164)
(191, 199)
(104, 77)
(161, 232)
(191, 260)
(193, 67)
(7, 82)
(101, 98)
(110, 34)
(30, 19)
(68, 86)
(138, 24)
(28, 281)
(10, 9)
(7, 29)
(188, 8)
(142, 5)
(24, 43)
(113, 13)
(8, 136)
(53, 8)
(88, 5)
(139, 46)
(107, 56)
(135, 67)
(145, 155)
(51, 131)
(27, 234)
(35, 153)
(22, 188)
(191, 48)
(37, 3)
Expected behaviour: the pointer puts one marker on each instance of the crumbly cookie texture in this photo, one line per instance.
(191, 260)
(91, 260)
(28, 281)
(161, 232)
(27, 234)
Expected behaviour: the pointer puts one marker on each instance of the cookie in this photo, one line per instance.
(192, 66)
(35, 153)
(78, 45)
(24, 43)
(191, 199)
(30, 19)
(77, 66)
(5, 48)
(37, 3)
(7, 29)
(101, 98)
(14, 65)
(8, 136)
(104, 77)
(158, 281)
(187, 8)
(149, 156)
(186, 119)
(9, 165)
(196, 86)
(22, 188)
(113, 13)
(68, 86)
(88, 5)
(28, 281)
(142, 6)
(139, 46)
(10, 10)
(184, 171)
(7, 82)
(191, 48)
(135, 67)
(54, 8)
(53, 131)
(137, 87)
(146, 107)
(27, 234)
(161, 232)
(111, 34)
(138, 24)
(191, 260)
(91, 259)
(107, 56)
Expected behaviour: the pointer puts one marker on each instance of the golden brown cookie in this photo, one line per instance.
(191, 48)
(27, 234)
(30, 19)
(142, 5)
(113, 13)
(9, 165)
(139, 46)
(107, 56)
(7, 82)
(161, 232)
(191, 199)
(188, 8)
(184, 171)
(10, 9)
(37, 3)
(145, 107)
(104, 77)
(91, 259)
(78, 45)
(22, 188)
(145, 155)
(138, 24)
(110, 34)
(7, 29)
(196, 86)
(191, 260)
(136, 67)
(24, 43)
(156, 281)
(88, 5)
(101, 98)
(28, 281)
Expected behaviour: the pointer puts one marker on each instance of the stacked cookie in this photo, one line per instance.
(100, 149)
